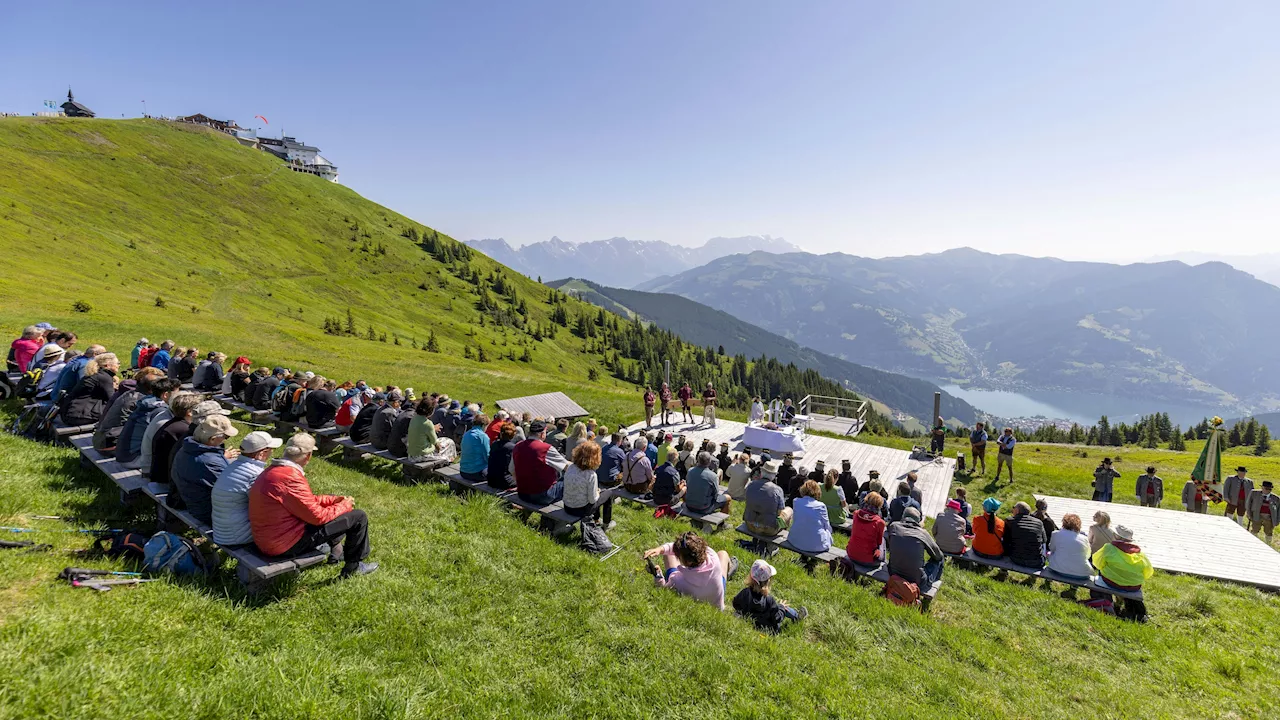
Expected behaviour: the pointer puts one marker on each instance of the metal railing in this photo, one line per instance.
(855, 410)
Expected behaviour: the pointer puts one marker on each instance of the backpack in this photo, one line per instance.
(166, 551)
(594, 539)
(281, 398)
(27, 383)
(299, 408)
(902, 592)
(1102, 604)
(122, 544)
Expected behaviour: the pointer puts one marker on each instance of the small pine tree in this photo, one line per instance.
(395, 339)
(382, 337)
(1176, 440)
(1233, 438)
(1250, 435)
(466, 352)
(351, 323)
(593, 374)
(432, 345)
(481, 355)
(1264, 440)
(371, 334)
(527, 356)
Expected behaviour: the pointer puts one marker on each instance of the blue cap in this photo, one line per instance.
(379, 396)
(44, 326)
(991, 504)
(277, 370)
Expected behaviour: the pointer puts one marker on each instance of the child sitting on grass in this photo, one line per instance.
(756, 602)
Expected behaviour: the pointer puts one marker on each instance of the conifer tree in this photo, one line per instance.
(431, 344)
(1264, 440)
(1250, 435)
(351, 323)
(1176, 439)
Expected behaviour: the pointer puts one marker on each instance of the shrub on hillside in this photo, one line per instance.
(81, 306)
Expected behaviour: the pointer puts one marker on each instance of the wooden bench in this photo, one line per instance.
(413, 471)
(326, 438)
(712, 522)
(1093, 583)
(62, 434)
(253, 570)
(129, 481)
(880, 573)
(554, 515)
(255, 415)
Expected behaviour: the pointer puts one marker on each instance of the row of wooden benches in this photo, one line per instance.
(253, 570)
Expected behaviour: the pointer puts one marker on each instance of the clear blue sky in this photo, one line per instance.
(1087, 129)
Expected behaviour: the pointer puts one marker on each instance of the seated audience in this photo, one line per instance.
(1024, 538)
(384, 420)
(577, 435)
(582, 495)
(23, 350)
(766, 511)
(54, 362)
(398, 438)
(181, 404)
(988, 531)
(73, 373)
(866, 537)
(1069, 550)
(916, 493)
(123, 401)
(199, 462)
(913, 555)
(86, 404)
(738, 474)
(129, 444)
(363, 423)
(421, 439)
(834, 498)
(755, 602)
(637, 473)
(1042, 514)
(208, 375)
(810, 526)
(498, 474)
(229, 498)
(288, 520)
(537, 467)
(1121, 564)
(901, 502)
(702, 488)
(474, 455)
(962, 497)
(949, 529)
(667, 485)
(264, 390)
(494, 428)
(322, 404)
(613, 461)
(1100, 532)
(691, 568)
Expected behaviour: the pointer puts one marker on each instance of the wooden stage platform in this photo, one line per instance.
(934, 477)
(1208, 546)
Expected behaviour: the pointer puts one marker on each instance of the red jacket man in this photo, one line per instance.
(287, 519)
(537, 467)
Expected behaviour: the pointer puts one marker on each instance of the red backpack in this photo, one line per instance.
(345, 417)
(902, 592)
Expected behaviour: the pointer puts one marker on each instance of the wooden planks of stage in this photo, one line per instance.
(934, 477)
(837, 425)
(1209, 546)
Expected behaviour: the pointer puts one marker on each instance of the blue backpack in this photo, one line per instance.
(166, 551)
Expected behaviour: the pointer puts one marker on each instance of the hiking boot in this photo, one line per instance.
(360, 568)
(733, 568)
(801, 613)
(612, 524)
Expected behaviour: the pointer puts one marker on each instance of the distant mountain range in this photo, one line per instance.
(1265, 266)
(705, 326)
(1161, 331)
(619, 262)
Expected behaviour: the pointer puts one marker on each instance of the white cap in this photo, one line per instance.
(258, 440)
(762, 571)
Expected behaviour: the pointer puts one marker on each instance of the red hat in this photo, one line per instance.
(242, 360)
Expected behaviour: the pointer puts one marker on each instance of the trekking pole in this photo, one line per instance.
(17, 529)
(105, 585)
(617, 548)
(74, 573)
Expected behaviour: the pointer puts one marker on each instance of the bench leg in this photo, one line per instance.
(253, 584)
(351, 453)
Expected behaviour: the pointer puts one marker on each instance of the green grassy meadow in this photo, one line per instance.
(475, 613)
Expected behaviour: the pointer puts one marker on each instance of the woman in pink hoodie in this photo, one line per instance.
(694, 569)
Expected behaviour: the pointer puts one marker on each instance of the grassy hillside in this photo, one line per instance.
(251, 258)
(475, 613)
(707, 326)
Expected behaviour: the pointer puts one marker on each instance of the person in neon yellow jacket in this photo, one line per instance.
(1121, 563)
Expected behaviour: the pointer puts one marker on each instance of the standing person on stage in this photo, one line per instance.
(686, 395)
(1235, 490)
(1103, 481)
(978, 447)
(1006, 443)
(649, 399)
(665, 396)
(709, 406)
(757, 411)
(1150, 488)
(938, 442)
(1264, 511)
(775, 410)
